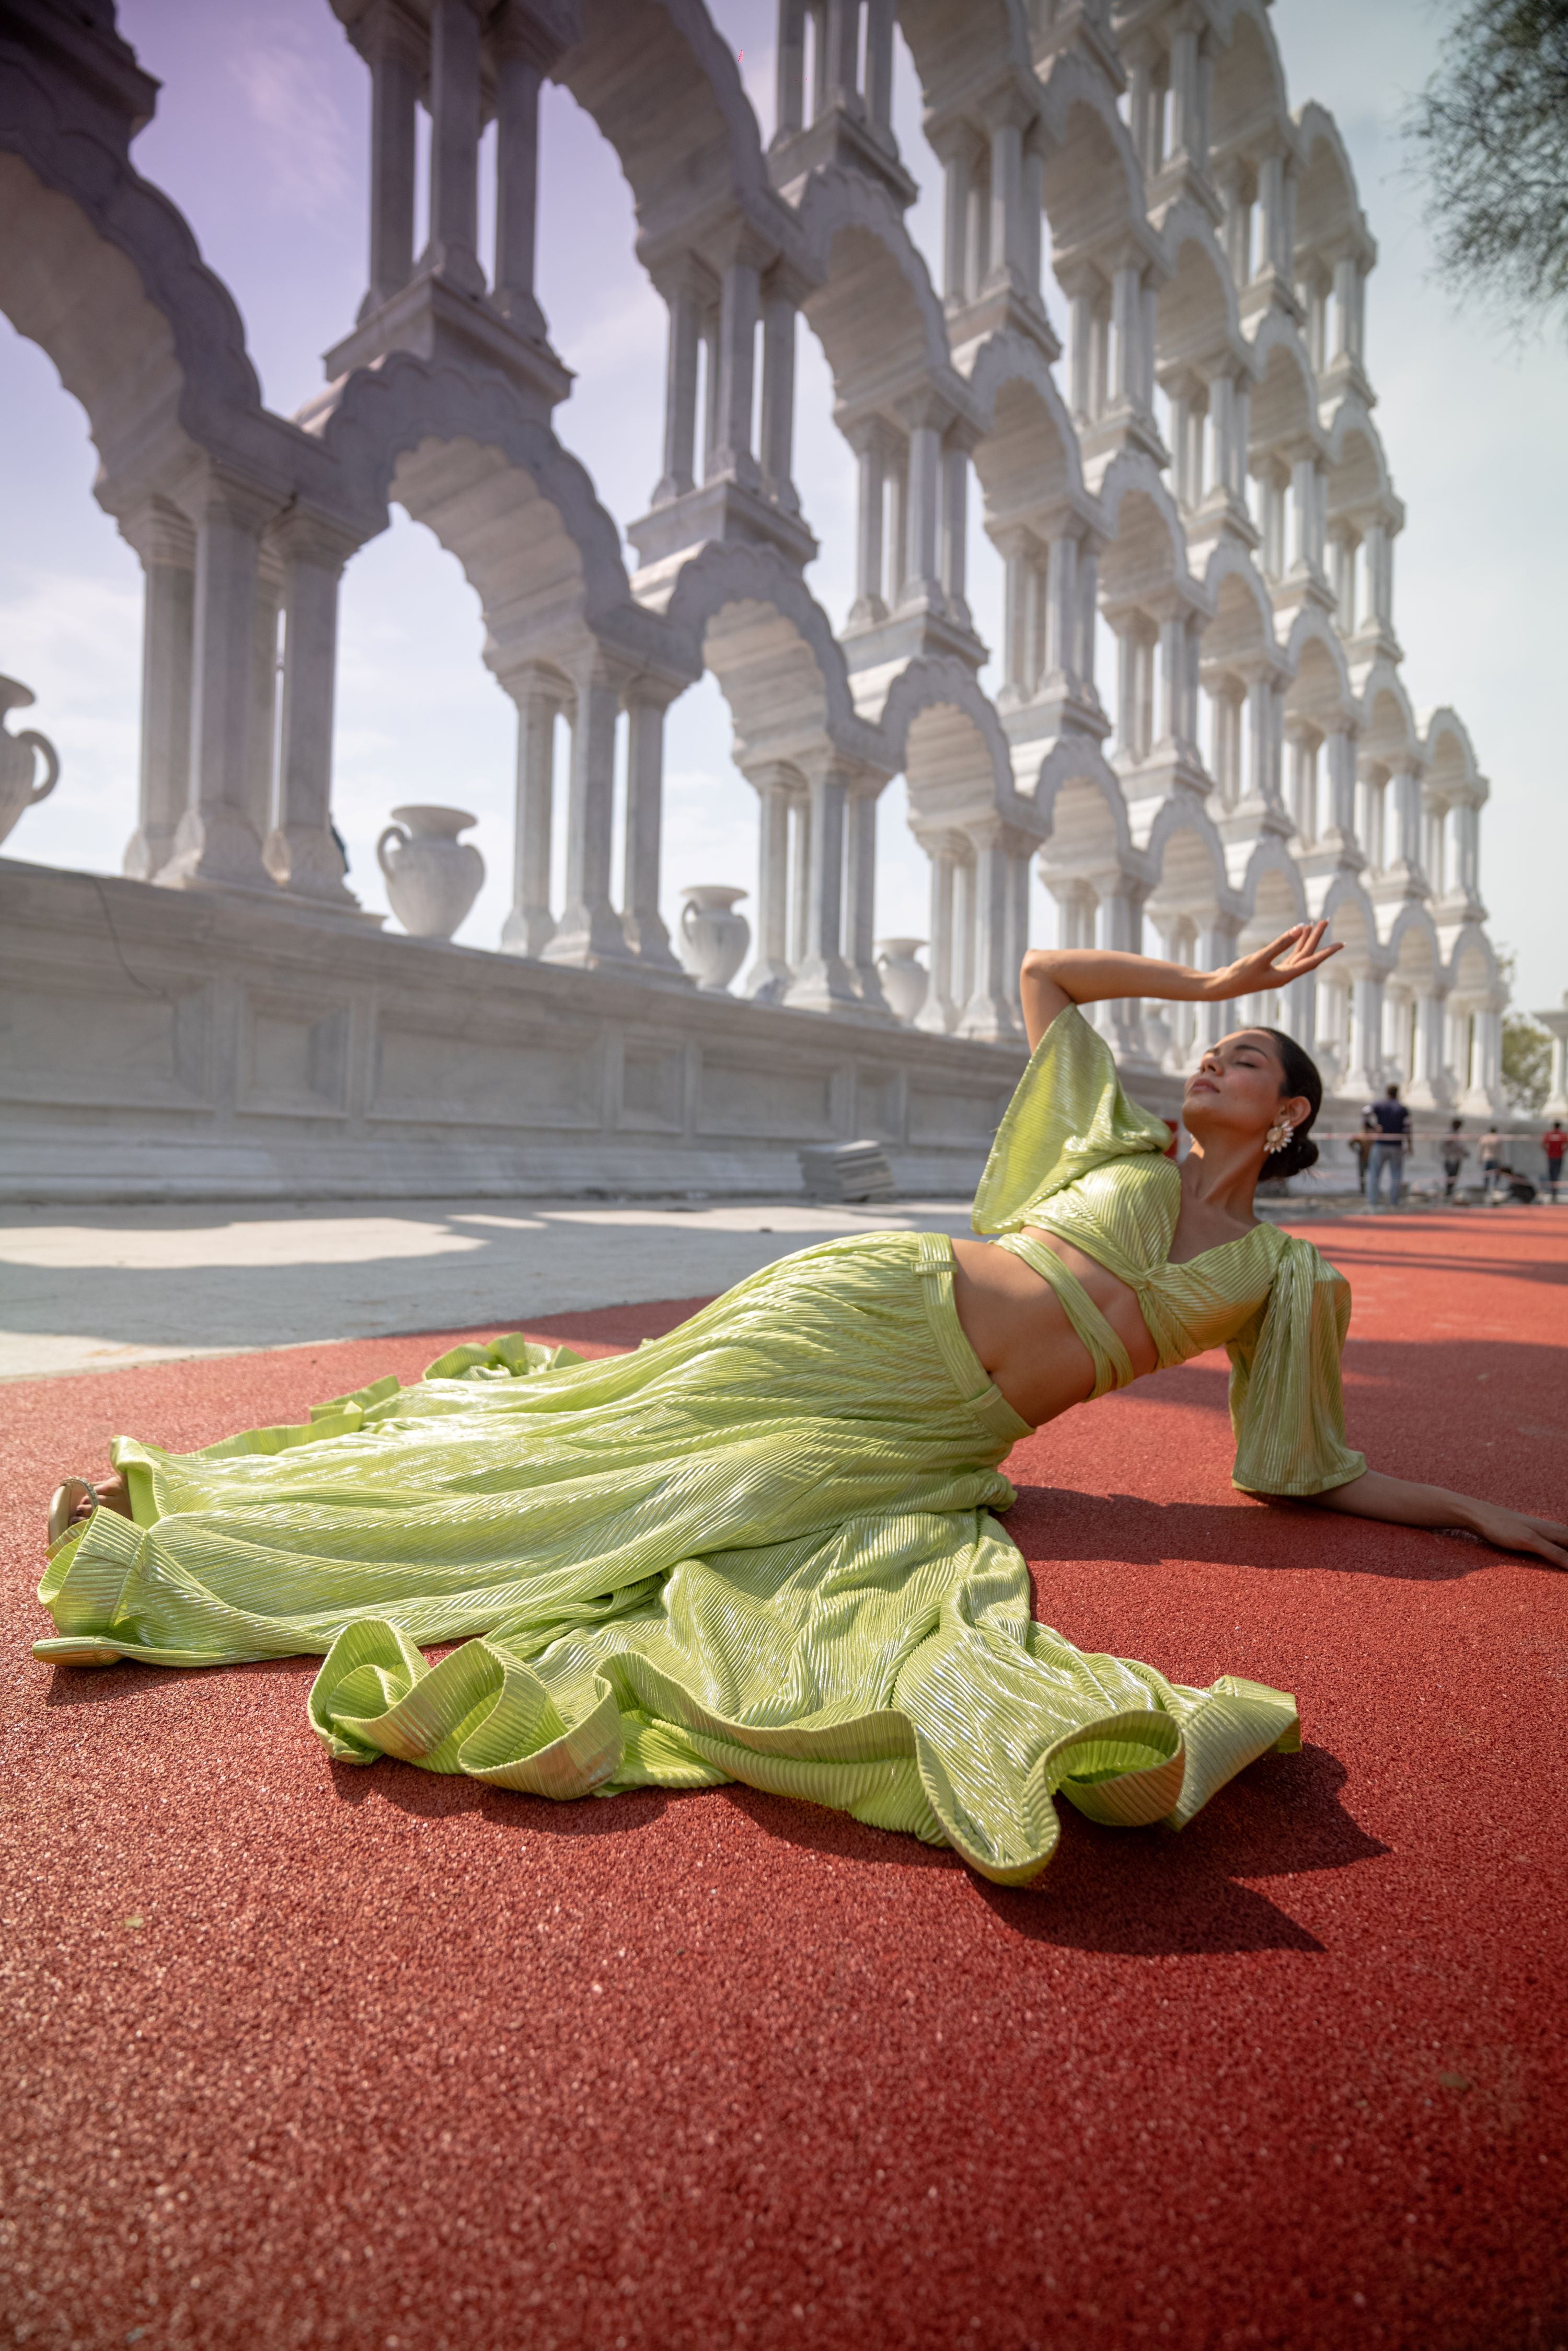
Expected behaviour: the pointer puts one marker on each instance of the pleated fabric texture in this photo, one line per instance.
(759, 1549)
(1075, 1156)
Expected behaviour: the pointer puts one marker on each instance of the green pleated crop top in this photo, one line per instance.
(1074, 1157)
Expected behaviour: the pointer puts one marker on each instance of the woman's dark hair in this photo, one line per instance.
(1300, 1078)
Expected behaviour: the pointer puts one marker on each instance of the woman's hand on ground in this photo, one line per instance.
(1515, 1531)
(1290, 957)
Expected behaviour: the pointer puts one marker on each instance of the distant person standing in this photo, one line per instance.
(1389, 1125)
(1554, 1143)
(1455, 1151)
(1361, 1146)
(1492, 1159)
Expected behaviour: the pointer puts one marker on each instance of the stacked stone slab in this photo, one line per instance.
(1195, 485)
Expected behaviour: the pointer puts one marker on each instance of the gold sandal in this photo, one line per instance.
(65, 1502)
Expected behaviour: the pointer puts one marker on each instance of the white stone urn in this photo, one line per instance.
(714, 937)
(433, 878)
(19, 753)
(905, 983)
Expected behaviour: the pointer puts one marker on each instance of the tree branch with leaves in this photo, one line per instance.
(1490, 130)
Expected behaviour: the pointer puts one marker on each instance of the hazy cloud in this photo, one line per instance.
(303, 138)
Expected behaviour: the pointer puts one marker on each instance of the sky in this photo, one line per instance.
(261, 137)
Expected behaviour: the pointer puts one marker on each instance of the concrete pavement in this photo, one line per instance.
(89, 1290)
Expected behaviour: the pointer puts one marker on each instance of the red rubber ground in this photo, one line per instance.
(302, 2054)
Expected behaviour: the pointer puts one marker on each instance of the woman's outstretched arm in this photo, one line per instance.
(1053, 977)
(1400, 1502)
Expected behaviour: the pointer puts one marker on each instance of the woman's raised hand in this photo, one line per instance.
(1290, 957)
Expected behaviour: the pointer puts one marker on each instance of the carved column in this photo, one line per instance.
(823, 982)
(868, 439)
(1033, 622)
(1406, 786)
(590, 931)
(216, 838)
(739, 288)
(963, 965)
(645, 702)
(1015, 927)
(395, 50)
(1468, 820)
(879, 26)
(954, 556)
(958, 166)
(779, 296)
(1013, 547)
(302, 852)
(689, 293)
(988, 1012)
(1081, 353)
(167, 546)
(926, 415)
(790, 68)
(263, 750)
(1008, 237)
(712, 380)
(1364, 1073)
(1083, 661)
(838, 28)
(530, 925)
(1457, 1044)
(1061, 608)
(1428, 1089)
(800, 877)
(1341, 578)
(1345, 277)
(860, 876)
(1258, 751)
(1172, 679)
(938, 1012)
(1272, 204)
(520, 61)
(455, 145)
(1489, 1055)
(1127, 320)
(770, 976)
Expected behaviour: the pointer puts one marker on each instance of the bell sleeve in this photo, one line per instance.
(1287, 1404)
(1067, 1114)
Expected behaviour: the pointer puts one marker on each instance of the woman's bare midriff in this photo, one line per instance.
(1019, 1327)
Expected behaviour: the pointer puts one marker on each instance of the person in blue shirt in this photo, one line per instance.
(1390, 1143)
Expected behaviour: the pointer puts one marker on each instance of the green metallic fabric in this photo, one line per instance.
(759, 1549)
(1075, 1158)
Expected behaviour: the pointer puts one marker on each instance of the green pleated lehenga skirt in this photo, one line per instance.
(758, 1549)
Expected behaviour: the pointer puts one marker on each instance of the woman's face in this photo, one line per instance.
(1236, 1089)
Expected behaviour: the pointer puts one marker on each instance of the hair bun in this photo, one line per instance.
(1292, 1158)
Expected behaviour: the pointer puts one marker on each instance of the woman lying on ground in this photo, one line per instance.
(761, 1548)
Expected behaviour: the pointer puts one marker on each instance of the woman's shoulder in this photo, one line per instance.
(1295, 1249)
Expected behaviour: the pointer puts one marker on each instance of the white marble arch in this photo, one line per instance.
(550, 573)
(1211, 248)
(99, 269)
(1092, 184)
(663, 85)
(980, 833)
(817, 765)
(873, 308)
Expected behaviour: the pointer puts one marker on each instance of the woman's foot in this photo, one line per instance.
(76, 1500)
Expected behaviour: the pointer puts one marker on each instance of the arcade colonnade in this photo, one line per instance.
(1200, 734)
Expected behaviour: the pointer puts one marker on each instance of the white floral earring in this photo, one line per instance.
(1278, 1134)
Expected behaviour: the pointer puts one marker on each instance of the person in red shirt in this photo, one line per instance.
(1554, 1143)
